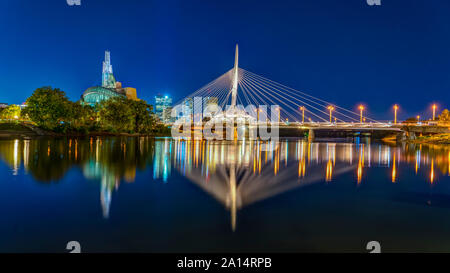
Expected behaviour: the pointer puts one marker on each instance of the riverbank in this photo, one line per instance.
(433, 139)
(430, 139)
(8, 130)
(15, 130)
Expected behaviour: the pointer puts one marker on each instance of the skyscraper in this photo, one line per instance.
(163, 108)
(108, 80)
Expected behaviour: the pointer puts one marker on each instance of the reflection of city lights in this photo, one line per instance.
(162, 159)
(350, 153)
(16, 156)
(432, 172)
(309, 152)
(233, 197)
(362, 154)
(359, 172)
(394, 170)
(26, 153)
(417, 161)
(286, 153)
(277, 162)
(329, 173)
(208, 159)
(301, 168)
(76, 149)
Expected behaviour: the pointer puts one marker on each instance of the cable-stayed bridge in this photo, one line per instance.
(241, 96)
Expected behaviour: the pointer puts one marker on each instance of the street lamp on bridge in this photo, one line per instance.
(302, 108)
(331, 108)
(434, 111)
(361, 109)
(395, 113)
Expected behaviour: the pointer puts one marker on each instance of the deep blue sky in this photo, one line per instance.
(344, 51)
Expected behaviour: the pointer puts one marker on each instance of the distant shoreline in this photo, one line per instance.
(434, 139)
(14, 130)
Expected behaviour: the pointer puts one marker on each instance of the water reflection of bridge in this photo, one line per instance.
(240, 173)
(244, 175)
(236, 174)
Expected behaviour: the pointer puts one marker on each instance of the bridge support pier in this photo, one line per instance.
(406, 135)
(311, 135)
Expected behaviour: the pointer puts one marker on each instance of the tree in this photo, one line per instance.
(81, 117)
(120, 114)
(10, 112)
(445, 116)
(143, 118)
(49, 108)
(117, 115)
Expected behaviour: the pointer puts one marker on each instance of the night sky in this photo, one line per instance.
(343, 51)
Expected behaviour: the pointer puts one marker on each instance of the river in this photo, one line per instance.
(131, 194)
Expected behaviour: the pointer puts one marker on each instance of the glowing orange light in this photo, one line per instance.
(302, 108)
(361, 109)
(395, 113)
(434, 111)
(331, 109)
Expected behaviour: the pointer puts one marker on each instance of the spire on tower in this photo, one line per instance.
(108, 80)
(235, 78)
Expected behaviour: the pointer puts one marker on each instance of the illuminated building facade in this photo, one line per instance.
(187, 110)
(110, 87)
(163, 108)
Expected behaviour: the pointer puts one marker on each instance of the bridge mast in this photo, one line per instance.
(235, 79)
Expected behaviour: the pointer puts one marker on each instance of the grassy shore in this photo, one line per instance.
(15, 129)
(434, 139)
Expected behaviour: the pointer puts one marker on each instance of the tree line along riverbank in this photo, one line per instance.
(48, 111)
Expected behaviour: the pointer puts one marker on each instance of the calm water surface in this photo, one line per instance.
(160, 195)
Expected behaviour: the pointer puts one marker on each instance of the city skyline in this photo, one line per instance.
(212, 135)
(363, 59)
